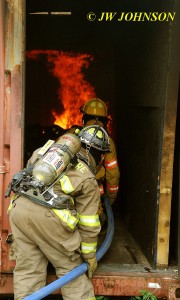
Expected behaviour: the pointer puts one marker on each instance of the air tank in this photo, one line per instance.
(50, 166)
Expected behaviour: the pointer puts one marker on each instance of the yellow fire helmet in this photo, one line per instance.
(95, 136)
(94, 107)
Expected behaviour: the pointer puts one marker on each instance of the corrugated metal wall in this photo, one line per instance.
(11, 109)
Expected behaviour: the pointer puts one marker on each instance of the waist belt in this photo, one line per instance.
(62, 202)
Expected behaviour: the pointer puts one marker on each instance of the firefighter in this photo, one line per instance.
(65, 237)
(95, 112)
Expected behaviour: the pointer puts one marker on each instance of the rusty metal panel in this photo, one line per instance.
(130, 283)
(2, 166)
(11, 110)
(162, 285)
(12, 150)
(14, 34)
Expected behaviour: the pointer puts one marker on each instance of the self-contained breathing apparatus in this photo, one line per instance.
(53, 161)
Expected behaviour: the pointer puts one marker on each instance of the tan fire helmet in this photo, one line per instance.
(95, 107)
(95, 136)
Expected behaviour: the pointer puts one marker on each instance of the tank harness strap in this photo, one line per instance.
(82, 158)
(36, 197)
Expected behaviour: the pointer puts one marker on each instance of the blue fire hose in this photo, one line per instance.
(50, 288)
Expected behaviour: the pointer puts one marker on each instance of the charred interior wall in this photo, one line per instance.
(142, 94)
(130, 71)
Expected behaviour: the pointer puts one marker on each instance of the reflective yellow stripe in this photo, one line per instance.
(66, 217)
(14, 197)
(88, 247)
(10, 206)
(91, 221)
(92, 298)
(98, 133)
(66, 185)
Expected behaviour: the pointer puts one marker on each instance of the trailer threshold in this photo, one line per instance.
(109, 280)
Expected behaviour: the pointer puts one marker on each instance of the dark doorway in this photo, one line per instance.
(129, 72)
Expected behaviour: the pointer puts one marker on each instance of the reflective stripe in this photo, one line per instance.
(112, 188)
(111, 164)
(66, 217)
(91, 221)
(14, 197)
(10, 206)
(66, 185)
(88, 247)
(92, 298)
(101, 189)
(94, 134)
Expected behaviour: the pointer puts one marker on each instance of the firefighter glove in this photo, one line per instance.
(92, 265)
(100, 208)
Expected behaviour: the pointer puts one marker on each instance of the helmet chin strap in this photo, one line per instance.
(97, 122)
(99, 165)
(88, 147)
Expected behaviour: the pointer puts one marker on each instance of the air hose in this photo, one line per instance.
(50, 288)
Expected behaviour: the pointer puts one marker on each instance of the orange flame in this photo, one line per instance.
(74, 90)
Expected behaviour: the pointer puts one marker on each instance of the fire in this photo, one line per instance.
(74, 90)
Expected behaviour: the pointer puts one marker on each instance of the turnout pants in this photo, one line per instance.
(40, 237)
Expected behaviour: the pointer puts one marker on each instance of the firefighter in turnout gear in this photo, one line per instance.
(95, 112)
(68, 235)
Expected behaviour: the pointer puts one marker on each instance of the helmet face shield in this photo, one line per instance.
(96, 137)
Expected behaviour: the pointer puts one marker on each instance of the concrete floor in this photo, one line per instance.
(124, 253)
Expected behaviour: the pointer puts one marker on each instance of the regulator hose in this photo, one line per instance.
(50, 288)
